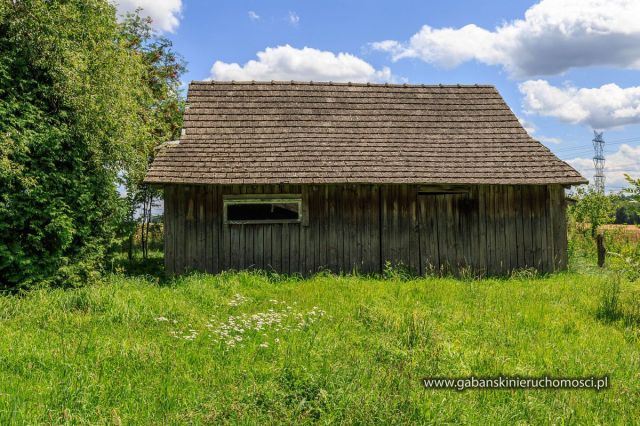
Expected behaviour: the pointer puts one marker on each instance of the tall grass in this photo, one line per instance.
(329, 350)
(621, 244)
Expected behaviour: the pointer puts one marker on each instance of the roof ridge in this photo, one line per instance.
(333, 83)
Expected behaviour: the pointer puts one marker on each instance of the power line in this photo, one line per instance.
(587, 149)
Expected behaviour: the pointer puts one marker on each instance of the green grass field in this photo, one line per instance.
(252, 349)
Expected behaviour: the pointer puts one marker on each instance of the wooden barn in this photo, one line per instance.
(302, 177)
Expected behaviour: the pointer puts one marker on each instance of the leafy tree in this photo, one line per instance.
(627, 210)
(69, 126)
(634, 188)
(592, 208)
(164, 109)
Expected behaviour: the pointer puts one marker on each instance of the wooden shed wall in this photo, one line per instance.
(490, 230)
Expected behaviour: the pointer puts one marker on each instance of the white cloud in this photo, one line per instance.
(531, 130)
(253, 16)
(601, 108)
(165, 14)
(294, 19)
(625, 160)
(528, 126)
(548, 139)
(289, 63)
(554, 36)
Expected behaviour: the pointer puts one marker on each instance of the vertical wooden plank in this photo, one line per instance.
(208, 229)
(395, 236)
(492, 226)
(509, 250)
(541, 233)
(414, 229)
(355, 252)
(533, 199)
(442, 233)
(520, 263)
(187, 208)
(536, 227)
(551, 249)
(303, 234)
(217, 228)
(195, 228)
(499, 208)
(249, 241)
(320, 228)
(384, 226)
(510, 227)
(477, 251)
(276, 247)
(375, 230)
(397, 233)
(467, 215)
(294, 248)
(473, 231)
(332, 243)
(561, 237)
(234, 238)
(527, 234)
(345, 219)
(225, 248)
(555, 225)
(492, 262)
(364, 229)
(258, 247)
(543, 229)
(323, 228)
(402, 226)
(201, 229)
(428, 217)
(451, 229)
(267, 247)
(177, 205)
(511, 253)
(180, 229)
(387, 224)
(422, 238)
(286, 248)
(563, 231)
(482, 231)
(341, 228)
(460, 232)
(312, 233)
(168, 229)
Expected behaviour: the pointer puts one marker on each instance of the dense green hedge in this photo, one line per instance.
(69, 126)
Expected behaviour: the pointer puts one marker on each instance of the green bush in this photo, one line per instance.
(69, 126)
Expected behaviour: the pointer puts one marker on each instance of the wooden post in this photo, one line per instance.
(601, 249)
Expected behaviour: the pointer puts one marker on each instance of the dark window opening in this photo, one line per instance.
(262, 211)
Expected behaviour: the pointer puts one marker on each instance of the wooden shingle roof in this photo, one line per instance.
(291, 132)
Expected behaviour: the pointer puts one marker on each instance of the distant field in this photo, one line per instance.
(250, 349)
(630, 231)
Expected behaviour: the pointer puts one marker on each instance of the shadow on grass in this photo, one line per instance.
(138, 266)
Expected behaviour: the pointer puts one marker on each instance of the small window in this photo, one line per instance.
(263, 209)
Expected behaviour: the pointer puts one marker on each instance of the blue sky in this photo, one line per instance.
(563, 66)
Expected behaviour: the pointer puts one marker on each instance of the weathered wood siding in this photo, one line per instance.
(489, 230)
